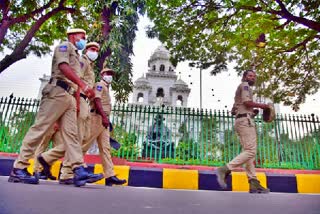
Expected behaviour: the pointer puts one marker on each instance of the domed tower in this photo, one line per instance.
(180, 93)
(141, 91)
(160, 85)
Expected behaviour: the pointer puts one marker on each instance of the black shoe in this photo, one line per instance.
(115, 180)
(255, 187)
(40, 175)
(68, 181)
(94, 177)
(22, 176)
(81, 177)
(46, 168)
(222, 173)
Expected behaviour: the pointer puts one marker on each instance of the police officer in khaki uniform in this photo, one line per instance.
(245, 127)
(101, 109)
(57, 104)
(87, 75)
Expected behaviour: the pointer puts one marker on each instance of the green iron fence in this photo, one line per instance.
(184, 135)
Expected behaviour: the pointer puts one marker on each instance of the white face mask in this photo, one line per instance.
(92, 55)
(107, 78)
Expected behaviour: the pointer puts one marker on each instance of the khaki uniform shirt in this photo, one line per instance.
(66, 52)
(87, 73)
(243, 94)
(101, 90)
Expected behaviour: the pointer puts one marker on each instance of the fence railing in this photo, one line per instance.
(184, 135)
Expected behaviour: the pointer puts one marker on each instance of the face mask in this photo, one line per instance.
(81, 44)
(107, 78)
(92, 55)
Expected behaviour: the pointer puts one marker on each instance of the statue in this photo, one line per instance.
(158, 140)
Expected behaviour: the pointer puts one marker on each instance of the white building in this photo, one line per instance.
(160, 86)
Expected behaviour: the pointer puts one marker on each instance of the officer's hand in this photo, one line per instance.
(105, 122)
(89, 92)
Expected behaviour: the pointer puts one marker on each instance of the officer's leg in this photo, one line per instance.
(56, 152)
(69, 133)
(95, 129)
(43, 146)
(105, 154)
(248, 137)
(247, 134)
(66, 176)
(44, 120)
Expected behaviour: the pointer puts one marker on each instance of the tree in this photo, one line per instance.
(219, 32)
(31, 27)
(114, 27)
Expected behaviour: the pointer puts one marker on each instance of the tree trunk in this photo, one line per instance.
(3, 30)
(106, 28)
(19, 51)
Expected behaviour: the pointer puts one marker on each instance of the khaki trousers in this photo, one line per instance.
(43, 146)
(56, 104)
(102, 135)
(83, 125)
(246, 130)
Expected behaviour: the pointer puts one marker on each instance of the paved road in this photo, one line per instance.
(49, 198)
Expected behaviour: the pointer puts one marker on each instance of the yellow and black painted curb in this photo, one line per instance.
(193, 179)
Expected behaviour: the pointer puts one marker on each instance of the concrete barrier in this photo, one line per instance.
(294, 181)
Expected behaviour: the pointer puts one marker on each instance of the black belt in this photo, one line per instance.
(242, 115)
(61, 84)
(84, 96)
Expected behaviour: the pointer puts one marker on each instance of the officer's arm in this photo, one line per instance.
(99, 109)
(71, 75)
(251, 104)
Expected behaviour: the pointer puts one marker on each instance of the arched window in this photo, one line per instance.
(140, 98)
(154, 67)
(162, 68)
(179, 101)
(160, 92)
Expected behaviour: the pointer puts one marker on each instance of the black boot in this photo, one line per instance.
(40, 175)
(94, 177)
(46, 168)
(222, 174)
(81, 177)
(255, 187)
(22, 176)
(114, 180)
(68, 181)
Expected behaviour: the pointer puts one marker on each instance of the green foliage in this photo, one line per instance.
(86, 14)
(187, 150)
(123, 25)
(220, 32)
(129, 148)
(180, 161)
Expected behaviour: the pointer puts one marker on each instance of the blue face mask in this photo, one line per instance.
(81, 44)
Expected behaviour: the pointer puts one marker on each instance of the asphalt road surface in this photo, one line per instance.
(49, 197)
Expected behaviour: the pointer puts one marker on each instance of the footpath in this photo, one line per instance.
(190, 177)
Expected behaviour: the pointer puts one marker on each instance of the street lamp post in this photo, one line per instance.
(200, 87)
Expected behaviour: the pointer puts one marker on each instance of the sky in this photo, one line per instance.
(22, 78)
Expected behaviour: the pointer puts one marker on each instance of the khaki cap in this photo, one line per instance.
(76, 30)
(93, 44)
(108, 71)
